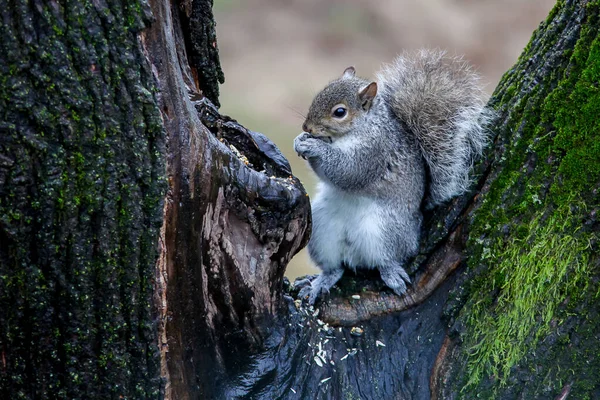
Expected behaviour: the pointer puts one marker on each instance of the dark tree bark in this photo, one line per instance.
(233, 218)
(505, 286)
(525, 322)
(81, 186)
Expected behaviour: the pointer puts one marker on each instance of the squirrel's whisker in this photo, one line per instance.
(406, 139)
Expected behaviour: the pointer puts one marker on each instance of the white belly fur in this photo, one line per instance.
(347, 228)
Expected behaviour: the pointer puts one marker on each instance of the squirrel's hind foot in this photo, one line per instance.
(395, 277)
(321, 284)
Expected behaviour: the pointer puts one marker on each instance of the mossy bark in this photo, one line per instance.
(505, 286)
(102, 141)
(81, 187)
(526, 320)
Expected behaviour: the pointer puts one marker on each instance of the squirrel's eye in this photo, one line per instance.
(339, 112)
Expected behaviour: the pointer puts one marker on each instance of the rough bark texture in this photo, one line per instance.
(233, 217)
(525, 319)
(505, 286)
(81, 186)
(531, 275)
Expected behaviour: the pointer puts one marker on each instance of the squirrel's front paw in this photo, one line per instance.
(307, 146)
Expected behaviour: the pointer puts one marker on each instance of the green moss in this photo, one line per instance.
(532, 275)
(573, 109)
(529, 239)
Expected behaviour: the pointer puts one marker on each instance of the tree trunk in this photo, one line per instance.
(82, 160)
(505, 286)
(525, 323)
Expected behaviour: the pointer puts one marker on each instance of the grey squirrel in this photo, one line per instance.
(383, 151)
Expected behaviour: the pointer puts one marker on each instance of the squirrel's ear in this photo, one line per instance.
(367, 95)
(349, 73)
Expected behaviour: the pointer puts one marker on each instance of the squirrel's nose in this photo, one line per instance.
(305, 128)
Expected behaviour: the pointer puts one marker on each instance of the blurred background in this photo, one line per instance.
(276, 55)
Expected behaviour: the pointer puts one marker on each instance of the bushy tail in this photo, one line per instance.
(442, 104)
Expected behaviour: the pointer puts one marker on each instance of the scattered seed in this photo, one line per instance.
(318, 361)
(356, 297)
(293, 390)
(379, 344)
(356, 331)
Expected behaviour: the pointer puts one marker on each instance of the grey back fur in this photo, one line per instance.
(428, 115)
(440, 101)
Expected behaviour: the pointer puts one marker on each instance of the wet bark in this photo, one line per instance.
(82, 164)
(113, 147)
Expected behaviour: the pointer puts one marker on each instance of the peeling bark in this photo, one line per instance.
(86, 151)
(234, 216)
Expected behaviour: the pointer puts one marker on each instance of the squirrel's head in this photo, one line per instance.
(335, 109)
